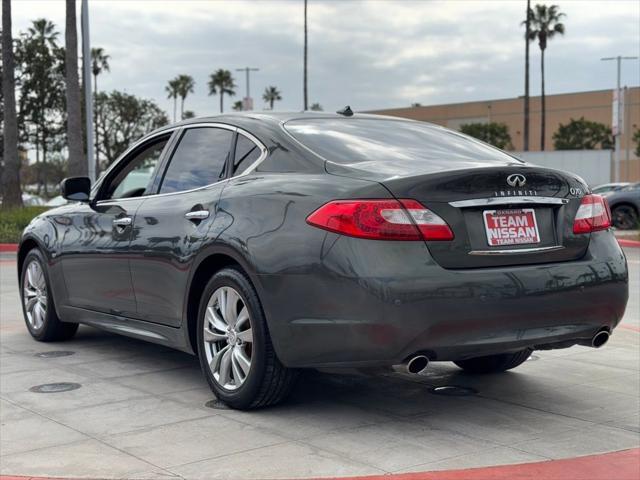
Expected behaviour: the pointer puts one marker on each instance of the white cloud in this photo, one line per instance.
(368, 54)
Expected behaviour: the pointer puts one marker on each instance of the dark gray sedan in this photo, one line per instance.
(625, 206)
(267, 243)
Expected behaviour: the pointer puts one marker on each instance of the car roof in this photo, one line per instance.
(275, 118)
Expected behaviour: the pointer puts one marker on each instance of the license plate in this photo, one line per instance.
(511, 227)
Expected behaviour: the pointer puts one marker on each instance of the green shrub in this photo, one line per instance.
(13, 221)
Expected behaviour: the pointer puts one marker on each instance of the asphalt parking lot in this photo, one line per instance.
(140, 410)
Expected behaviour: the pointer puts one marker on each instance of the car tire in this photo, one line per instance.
(230, 343)
(624, 217)
(494, 363)
(38, 307)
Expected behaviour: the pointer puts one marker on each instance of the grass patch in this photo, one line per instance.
(13, 222)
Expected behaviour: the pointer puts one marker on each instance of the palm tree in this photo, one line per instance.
(99, 64)
(77, 164)
(45, 31)
(12, 196)
(305, 90)
(270, 95)
(237, 106)
(221, 82)
(185, 87)
(172, 92)
(545, 24)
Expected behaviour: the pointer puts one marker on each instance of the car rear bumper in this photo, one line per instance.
(372, 303)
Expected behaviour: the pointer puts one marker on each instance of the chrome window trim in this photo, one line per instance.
(254, 165)
(516, 251)
(482, 202)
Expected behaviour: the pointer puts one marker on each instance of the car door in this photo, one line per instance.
(172, 225)
(95, 237)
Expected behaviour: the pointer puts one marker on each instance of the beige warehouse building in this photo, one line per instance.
(594, 105)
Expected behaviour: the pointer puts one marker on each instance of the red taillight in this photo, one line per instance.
(593, 215)
(381, 220)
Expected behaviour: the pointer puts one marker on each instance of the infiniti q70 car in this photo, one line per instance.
(268, 243)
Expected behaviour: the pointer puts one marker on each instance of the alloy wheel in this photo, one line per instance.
(35, 295)
(228, 338)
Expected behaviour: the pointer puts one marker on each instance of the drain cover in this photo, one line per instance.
(217, 404)
(453, 391)
(533, 358)
(54, 354)
(55, 387)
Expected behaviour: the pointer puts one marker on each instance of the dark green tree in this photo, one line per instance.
(316, 107)
(237, 106)
(186, 84)
(494, 133)
(636, 138)
(40, 64)
(221, 82)
(582, 134)
(271, 94)
(123, 118)
(188, 114)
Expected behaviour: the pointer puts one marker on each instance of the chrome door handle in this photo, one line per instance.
(197, 215)
(122, 222)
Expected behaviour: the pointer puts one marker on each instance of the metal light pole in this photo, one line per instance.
(617, 122)
(248, 97)
(88, 98)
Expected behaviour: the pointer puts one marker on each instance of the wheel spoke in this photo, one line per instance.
(210, 336)
(38, 315)
(214, 319)
(230, 311)
(30, 275)
(246, 335)
(238, 375)
(225, 367)
(217, 357)
(242, 359)
(243, 316)
(30, 304)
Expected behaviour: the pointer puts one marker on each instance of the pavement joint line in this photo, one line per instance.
(93, 437)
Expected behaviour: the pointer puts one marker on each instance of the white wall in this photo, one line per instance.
(594, 166)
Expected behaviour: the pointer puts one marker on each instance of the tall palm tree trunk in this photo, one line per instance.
(306, 99)
(526, 78)
(12, 196)
(77, 165)
(221, 97)
(542, 103)
(181, 108)
(95, 123)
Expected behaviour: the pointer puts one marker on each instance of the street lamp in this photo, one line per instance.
(617, 123)
(247, 104)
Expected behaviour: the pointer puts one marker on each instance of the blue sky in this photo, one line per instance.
(369, 54)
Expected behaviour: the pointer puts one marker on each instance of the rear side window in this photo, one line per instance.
(356, 140)
(199, 159)
(247, 153)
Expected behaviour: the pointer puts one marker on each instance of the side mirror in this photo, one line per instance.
(76, 189)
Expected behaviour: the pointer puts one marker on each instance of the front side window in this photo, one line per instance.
(134, 179)
(247, 153)
(199, 159)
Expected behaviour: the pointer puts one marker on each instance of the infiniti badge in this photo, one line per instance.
(516, 180)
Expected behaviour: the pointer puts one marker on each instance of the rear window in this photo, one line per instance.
(357, 140)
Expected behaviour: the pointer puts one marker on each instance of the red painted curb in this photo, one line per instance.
(8, 247)
(629, 243)
(622, 465)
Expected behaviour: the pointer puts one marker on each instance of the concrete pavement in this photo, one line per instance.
(140, 411)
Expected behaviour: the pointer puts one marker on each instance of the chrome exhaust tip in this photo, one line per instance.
(417, 365)
(600, 338)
